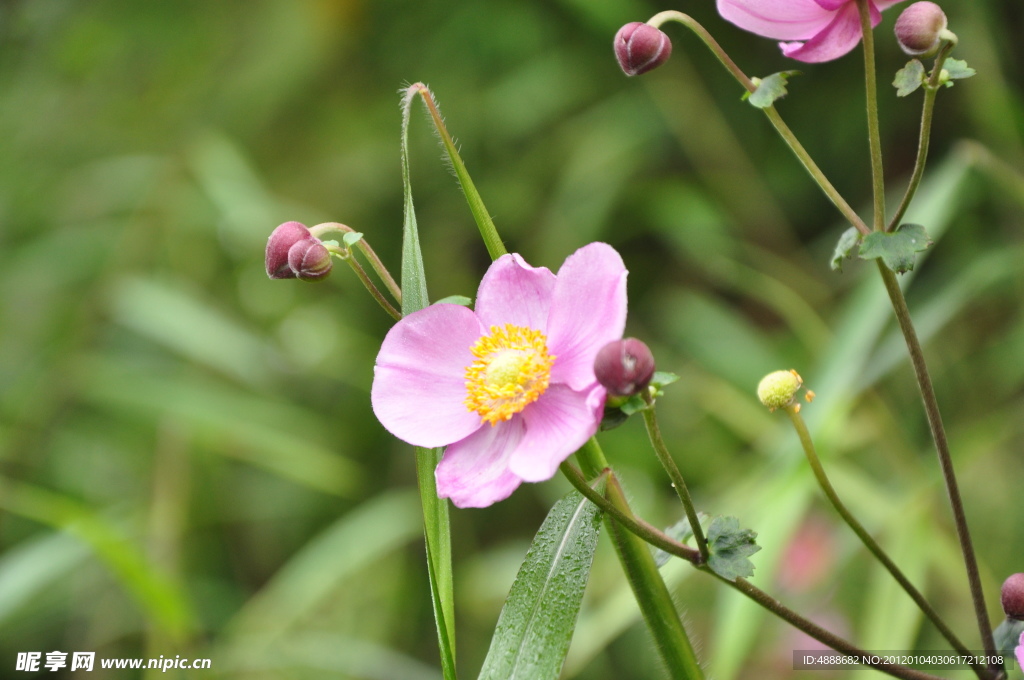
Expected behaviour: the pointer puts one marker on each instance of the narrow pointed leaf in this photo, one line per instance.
(537, 621)
(436, 523)
(484, 223)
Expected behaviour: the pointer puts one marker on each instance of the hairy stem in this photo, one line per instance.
(661, 540)
(345, 255)
(654, 432)
(869, 542)
(371, 256)
(931, 407)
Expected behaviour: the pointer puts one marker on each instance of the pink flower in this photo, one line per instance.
(509, 388)
(1020, 651)
(825, 29)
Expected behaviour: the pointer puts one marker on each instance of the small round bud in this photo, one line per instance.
(624, 367)
(280, 242)
(777, 390)
(310, 260)
(919, 28)
(1012, 597)
(640, 48)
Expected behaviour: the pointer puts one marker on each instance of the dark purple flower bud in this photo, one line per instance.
(919, 28)
(624, 367)
(309, 260)
(640, 48)
(280, 242)
(1012, 597)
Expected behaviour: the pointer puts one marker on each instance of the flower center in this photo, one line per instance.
(511, 371)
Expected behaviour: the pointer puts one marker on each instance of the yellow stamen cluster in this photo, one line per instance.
(511, 370)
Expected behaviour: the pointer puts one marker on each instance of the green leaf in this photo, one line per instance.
(1007, 636)
(536, 624)
(456, 300)
(484, 223)
(957, 69)
(909, 78)
(844, 248)
(729, 547)
(436, 523)
(351, 238)
(769, 89)
(896, 249)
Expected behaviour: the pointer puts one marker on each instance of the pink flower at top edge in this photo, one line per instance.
(822, 30)
(508, 387)
(1020, 651)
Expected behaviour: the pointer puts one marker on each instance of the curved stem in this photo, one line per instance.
(772, 114)
(654, 432)
(652, 594)
(931, 91)
(660, 540)
(866, 538)
(874, 134)
(378, 266)
(346, 255)
(931, 407)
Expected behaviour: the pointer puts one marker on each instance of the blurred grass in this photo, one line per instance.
(190, 462)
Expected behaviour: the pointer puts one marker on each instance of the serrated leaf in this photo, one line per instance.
(957, 69)
(634, 404)
(352, 237)
(456, 300)
(844, 248)
(536, 624)
(729, 547)
(769, 89)
(680, 531)
(896, 249)
(909, 78)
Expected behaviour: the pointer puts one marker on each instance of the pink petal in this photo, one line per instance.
(557, 424)
(418, 382)
(779, 19)
(832, 5)
(514, 292)
(885, 4)
(474, 472)
(835, 40)
(1019, 651)
(588, 310)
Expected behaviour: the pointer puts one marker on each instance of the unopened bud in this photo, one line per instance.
(920, 27)
(310, 260)
(641, 47)
(293, 252)
(624, 367)
(777, 390)
(1012, 596)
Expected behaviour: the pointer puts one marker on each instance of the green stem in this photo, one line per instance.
(647, 532)
(484, 223)
(931, 407)
(931, 91)
(773, 115)
(654, 432)
(866, 538)
(874, 134)
(346, 255)
(437, 535)
(652, 595)
(648, 587)
(661, 540)
(378, 266)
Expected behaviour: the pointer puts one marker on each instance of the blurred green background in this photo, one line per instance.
(188, 459)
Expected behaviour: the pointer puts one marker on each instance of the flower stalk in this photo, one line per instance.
(938, 431)
(772, 114)
(869, 542)
(371, 256)
(661, 450)
(874, 133)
